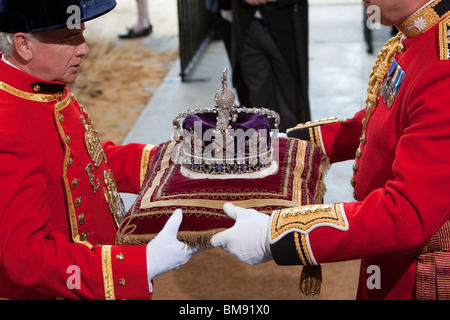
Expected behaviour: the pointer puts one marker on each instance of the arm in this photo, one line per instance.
(337, 138)
(129, 163)
(36, 252)
(401, 216)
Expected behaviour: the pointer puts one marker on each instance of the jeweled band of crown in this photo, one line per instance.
(224, 155)
(229, 151)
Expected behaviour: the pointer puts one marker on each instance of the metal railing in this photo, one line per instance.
(195, 31)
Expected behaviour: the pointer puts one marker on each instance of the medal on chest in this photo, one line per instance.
(391, 86)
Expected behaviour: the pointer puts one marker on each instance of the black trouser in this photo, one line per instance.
(268, 78)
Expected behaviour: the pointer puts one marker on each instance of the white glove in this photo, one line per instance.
(248, 239)
(165, 252)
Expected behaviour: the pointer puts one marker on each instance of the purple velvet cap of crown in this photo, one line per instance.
(245, 121)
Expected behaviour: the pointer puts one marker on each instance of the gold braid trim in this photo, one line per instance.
(421, 21)
(310, 124)
(444, 39)
(108, 281)
(145, 160)
(311, 276)
(30, 96)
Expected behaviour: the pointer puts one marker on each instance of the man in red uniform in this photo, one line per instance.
(59, 204)
(398, 224)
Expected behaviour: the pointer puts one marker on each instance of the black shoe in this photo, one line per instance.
(130, 34)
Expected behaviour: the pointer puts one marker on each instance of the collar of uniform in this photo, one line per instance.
(424, 18)
(27, 86)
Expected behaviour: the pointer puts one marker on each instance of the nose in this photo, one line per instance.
(82, 49)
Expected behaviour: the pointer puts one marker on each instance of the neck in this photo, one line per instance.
(424, 18)
(3, 58)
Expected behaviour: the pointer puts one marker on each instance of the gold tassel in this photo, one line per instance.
(311, 280)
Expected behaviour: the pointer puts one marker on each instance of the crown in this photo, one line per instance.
(225, 139)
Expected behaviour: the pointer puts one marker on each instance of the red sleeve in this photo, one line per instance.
(129, 163)
(404, 213)
(341, 139)
(337, 138)
(37, 255)
(411, 206)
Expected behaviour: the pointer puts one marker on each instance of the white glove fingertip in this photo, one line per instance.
(231, 210)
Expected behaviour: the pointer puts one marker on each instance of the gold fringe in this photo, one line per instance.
(193, 239)
(311, 280)
(321, 186)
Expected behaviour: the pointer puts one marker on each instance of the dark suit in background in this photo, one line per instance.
(269, 56)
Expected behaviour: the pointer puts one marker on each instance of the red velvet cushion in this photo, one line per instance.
(298, 181)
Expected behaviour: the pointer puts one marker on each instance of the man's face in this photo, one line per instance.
(395, 11)
(57, 54)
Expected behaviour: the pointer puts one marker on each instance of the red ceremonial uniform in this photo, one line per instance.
(401, 171)
(59, 203)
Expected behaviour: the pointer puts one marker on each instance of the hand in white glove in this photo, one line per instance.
(165, 252)
(248, 239)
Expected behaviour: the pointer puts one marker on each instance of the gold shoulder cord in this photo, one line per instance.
(377, 77)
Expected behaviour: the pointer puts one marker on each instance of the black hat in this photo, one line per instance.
(43, 15)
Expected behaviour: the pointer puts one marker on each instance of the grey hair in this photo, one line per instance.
(6, 43)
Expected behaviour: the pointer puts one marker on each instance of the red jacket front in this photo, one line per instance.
(401, 174)
(59, 201)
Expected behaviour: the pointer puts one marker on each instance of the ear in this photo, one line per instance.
(23, 46)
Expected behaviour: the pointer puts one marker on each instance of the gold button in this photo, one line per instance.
(78, 201)
(36, 88)
(61, 117)
(74, 183)
(122, 282)
(70, 163)
(362, 139)
(67, 139)
(353, 182)
(84, 236)
(81, 218)
(120, 256)
(355, 167)
(358, 153)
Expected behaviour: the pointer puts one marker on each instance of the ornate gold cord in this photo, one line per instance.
(377, 77)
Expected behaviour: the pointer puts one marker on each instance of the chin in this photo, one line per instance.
(70, 79)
